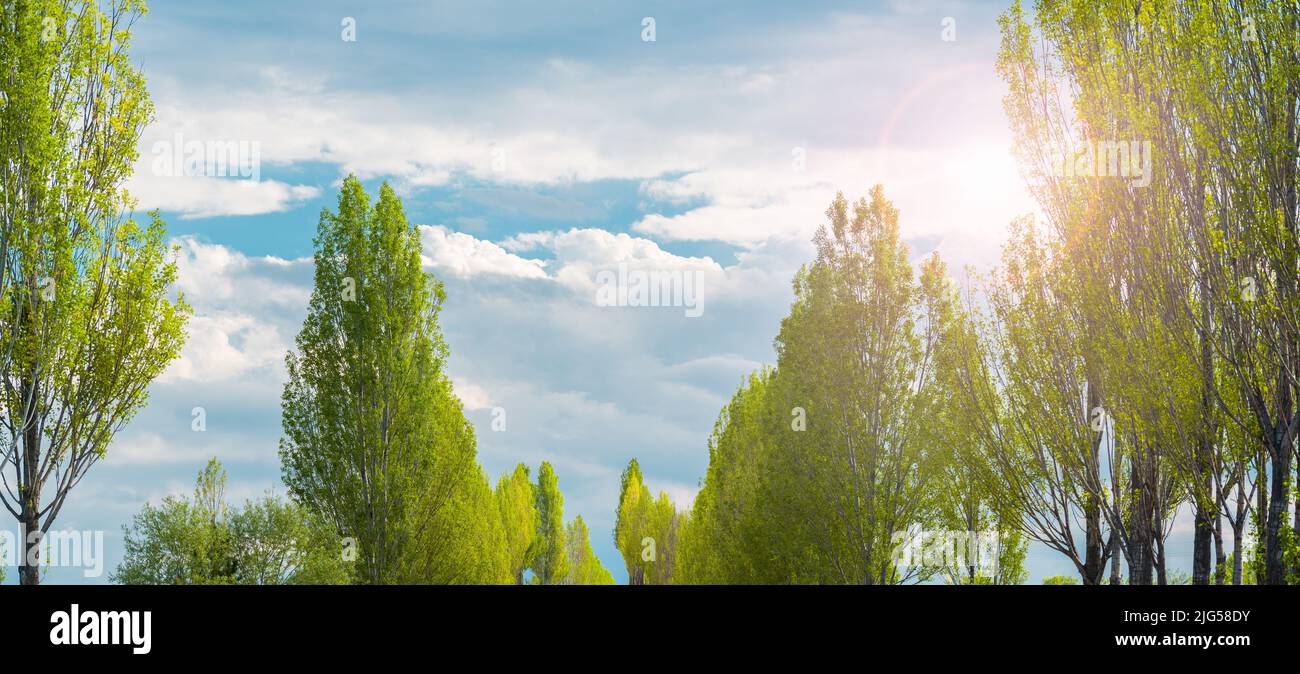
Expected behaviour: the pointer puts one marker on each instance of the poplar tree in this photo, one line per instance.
(647, 531)
(375, 441)
(551, 563)
(584, 566)
(855, 357)
(517, 505)
(87, 315)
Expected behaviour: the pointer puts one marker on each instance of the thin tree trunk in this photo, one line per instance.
(1205, 515)
(29, 570)
(1114, 558)
(1237, 563)
(1219, 561)
(1141, 559)
(1094, 560)
(1274, 561)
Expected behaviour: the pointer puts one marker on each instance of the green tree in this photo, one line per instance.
(459, 540)
(551, 563)
(647, 530)
(854, 366)
(1186, 282)
(278, 543)
(631, 522)
(1023, 375)
(964, 501)
(584, 566)
(517, 505)
(86, 315)
(375, 440)
(727, 541)
(202, 541)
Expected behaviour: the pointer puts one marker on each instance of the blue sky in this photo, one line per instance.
(538, 143)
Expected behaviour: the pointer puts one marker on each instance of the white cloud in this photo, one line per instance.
(682, 495)
(462, 255)
(226, 346)
(246, 310)
(150, 448)
(473, 396)
(208, 196)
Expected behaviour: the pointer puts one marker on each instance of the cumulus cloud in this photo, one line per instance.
(246, 310)
(208, 196)
(462, 255)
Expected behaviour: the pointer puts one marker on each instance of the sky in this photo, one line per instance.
(536, 144)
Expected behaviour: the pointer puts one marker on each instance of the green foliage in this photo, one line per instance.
(87, 317)
(551, 564)
(1179, 291)
(517, 505)
(201, 541)
(726, 539)
(1060, 580)
(816, 466)
(462, 542)
(583, 565)
(646, 530)
(375, 441)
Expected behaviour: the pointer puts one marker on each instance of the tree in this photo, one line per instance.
(551, 564)
(965, 502)
(201, 541)
(1205, 247)
(630, 522)
(375, 440)
(647, 531)
(1022, 386)
(584, 566)
(276, 542)
(86, 317)
(459, 540)
(855, 356)
(517, 505)
(835, 448)
(727, 540)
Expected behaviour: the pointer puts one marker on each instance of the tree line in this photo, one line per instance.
(377, 455)
(1135, 354)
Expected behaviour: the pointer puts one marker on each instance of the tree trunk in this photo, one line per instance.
(1274, 560)
(1158, 536)
(28, 573)
(1094, 559)
(1141, 558)
(1219, 561)
(1237, 564)
(1162, 576)
(1205, 535)
(1205, 514)
(1114, 558)
(1095, 563)
(29, 569)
